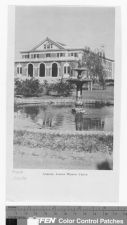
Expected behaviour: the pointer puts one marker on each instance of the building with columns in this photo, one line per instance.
(50, 60)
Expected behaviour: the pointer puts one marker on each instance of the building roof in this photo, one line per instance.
(60, 46)
(57, 46)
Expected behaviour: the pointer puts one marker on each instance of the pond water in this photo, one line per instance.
(62, 118)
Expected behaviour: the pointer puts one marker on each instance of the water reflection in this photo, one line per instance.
(31, 112)
(61, 118)
(84, 123)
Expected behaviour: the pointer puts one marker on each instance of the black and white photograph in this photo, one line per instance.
(63, 103)
(64, 78)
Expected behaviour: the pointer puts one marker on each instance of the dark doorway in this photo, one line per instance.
(54, 70)
(11, 221)
(42, 70)
(30, 70)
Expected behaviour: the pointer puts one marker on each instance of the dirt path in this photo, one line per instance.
(42, 158)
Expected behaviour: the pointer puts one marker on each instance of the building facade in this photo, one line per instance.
(51, 60)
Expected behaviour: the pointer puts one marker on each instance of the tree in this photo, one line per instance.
(94, 63)
(73, 65)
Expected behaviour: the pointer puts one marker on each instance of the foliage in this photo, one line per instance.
(18, 87)
(72, 66)
(94, 63)
(47, 87)
(32, 87)
(60, 87)
(63, 88)
(28, 88)
(65, 142)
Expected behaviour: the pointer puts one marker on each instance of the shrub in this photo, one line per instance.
(63, 88)
(18, 87)
(32, 87)
(28, 88)
(47, 87)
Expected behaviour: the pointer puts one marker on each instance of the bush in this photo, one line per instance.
(47, 87)
(28, 88)
(63, 88)
(32, 87)
(18, 87)
(59, 88)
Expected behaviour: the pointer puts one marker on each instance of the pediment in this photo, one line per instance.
(48, 44)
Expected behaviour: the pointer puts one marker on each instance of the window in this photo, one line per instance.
(48, 46)
(26, 56)
(66, 69)
(75, 54)
(62, 54)
(54, 70)
(48, 55)
(58, 54)
(30, 70)
(19, 69)
(42, 70)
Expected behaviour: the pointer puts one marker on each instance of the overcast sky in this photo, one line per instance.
(74, 26)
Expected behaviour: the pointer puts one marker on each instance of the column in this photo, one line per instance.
(91, 85)
(79, 95)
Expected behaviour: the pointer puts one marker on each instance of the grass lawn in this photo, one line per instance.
(104, 95)
(53, 151)
(107, 94)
